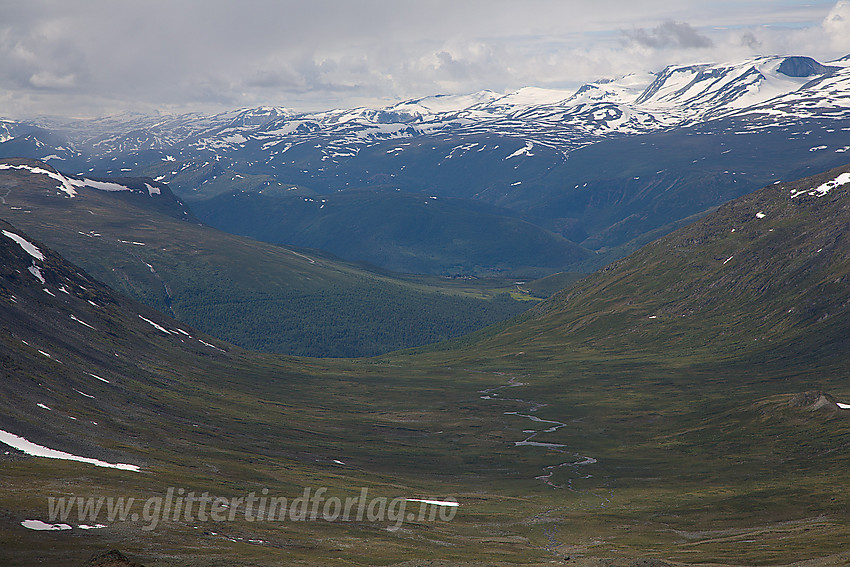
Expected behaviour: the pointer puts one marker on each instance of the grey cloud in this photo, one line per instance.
(751, 41)
(669, 34)
(454, 67)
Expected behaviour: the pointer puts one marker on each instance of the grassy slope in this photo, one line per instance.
(253, 294)
(701, 458)
(676, 366)
(225, 422)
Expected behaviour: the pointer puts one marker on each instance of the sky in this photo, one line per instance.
(91, 58)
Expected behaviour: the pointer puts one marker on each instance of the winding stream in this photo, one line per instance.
(493, 394)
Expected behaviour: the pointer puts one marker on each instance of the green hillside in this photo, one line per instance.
(677, 408)
(768, 272)
(256, 295)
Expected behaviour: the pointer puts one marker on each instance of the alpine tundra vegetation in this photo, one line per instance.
(602, 326)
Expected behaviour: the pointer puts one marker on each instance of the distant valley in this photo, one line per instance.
(605, 327)
(136, 236)
(696, 387)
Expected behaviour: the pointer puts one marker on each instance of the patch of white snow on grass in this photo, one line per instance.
(64, 185)
(99, 185)
(38, 525)
(211, 346)
(155, 326)
(36, 271)
(82, 322)
(435, 502)
(822, 190)
(28, 246)
(31, 448)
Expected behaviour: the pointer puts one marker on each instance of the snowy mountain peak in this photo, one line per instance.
(260, 116)
(439, 104)
(623, 90)
(708, 90)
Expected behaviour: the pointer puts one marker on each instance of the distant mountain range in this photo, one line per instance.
(608, 166)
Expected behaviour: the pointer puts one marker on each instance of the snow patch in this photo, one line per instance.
(84, 394)
(435, 502)
(822, 190)
(211, 346)
(155, 326)
(82, 322)
(28, 246)
(64, 184)
(38, 525)
(100, 185)
(31, 448)
(36, 271)
(526, 151)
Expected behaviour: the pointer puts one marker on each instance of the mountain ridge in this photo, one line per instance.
(533, 151)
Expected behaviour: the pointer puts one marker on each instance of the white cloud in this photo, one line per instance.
(97, 56)
(836, 26)
(49, 80)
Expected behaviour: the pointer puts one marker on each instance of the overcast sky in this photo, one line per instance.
(98, 57)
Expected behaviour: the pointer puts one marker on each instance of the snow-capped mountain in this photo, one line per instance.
(562, 119)
(6, 127)
(698, 92)
(825, 96)
(610, 162)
